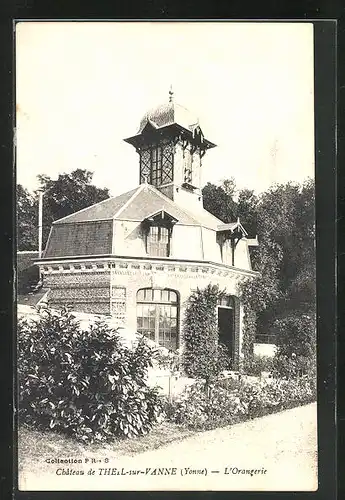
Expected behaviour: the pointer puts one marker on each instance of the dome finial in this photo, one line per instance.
(171, 94)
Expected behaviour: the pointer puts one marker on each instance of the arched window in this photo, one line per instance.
(157, 316)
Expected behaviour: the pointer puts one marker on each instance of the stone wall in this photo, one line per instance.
(82, 290)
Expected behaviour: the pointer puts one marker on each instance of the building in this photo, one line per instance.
(138, 256)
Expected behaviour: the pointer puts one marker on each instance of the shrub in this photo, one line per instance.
(83, 383)
(296, 334)
(203, 356)
(296, 353)
(258, 364)
(197, 410)
(295, 366)
(238, 401)
(169, 360)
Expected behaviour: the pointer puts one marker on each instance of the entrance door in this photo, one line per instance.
(226, 328)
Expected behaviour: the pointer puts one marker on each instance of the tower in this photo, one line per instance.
(171, 145)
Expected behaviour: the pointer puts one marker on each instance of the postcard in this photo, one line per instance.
(166, 256)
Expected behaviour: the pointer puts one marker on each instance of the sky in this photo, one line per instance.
(82, 87)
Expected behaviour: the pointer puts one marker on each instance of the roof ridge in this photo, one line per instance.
(166, 198)
(86, 208)
(125, 205)
(190, 213)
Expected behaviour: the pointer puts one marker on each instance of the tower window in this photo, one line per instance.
(188, 167)
(156, 164)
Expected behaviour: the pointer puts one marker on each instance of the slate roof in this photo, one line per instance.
(90, 231)
(138, 204)
(149, 200)
(103, 210)
(80, 238)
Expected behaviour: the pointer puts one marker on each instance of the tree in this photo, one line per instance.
(67, 194)
(27, 215)
(283, 219)
(286, 221)
(285, 292)
(219, 200)
(297, 335)
(247, 208)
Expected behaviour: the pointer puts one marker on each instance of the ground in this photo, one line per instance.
(283, 444)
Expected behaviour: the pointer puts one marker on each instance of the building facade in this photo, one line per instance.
(139, 256)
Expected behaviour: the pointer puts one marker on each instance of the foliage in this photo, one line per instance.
(257, 295)
(296, 353)
(238, 401)
(297, 335)
(195, 410)
(203, 356)
(293, 367)
(83, 383)
(226, 203)
(27, 279)
(27, 223)
(248, 338)
(169, 360)
(258, 364)
(219, 200)
(286, 217)
(285, 258)
(247, 210)
(67, 194)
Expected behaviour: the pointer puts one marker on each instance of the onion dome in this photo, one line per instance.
(173, 116)
(169, 114)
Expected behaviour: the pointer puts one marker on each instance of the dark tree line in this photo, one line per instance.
(283, 219)
(63, 196)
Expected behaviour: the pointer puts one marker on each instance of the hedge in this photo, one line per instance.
(232, 401)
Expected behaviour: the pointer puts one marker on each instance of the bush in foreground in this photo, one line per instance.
(83, 383)
(235, 401)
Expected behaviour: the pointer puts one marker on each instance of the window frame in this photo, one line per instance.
(157, 306)
(157, 164)
(150, 243)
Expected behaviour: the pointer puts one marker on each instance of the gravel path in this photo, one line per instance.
(274, 453)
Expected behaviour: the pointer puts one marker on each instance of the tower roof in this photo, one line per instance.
(168, 114)
(172, 115)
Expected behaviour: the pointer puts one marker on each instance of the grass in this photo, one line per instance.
(34, 447)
